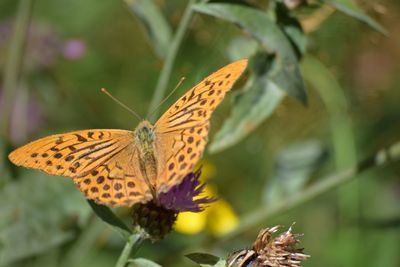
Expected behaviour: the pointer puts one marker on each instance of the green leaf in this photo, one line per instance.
(221, 263)
(343, 137)
(350, 8)
(241, 47)
(141, 262)
(293, 168)
(261, 95)
(299, 160)
(35, 216)
(270, 37)
(156, 26)
(292, 28)
(205, 259)
(335, 101)
(110, 218)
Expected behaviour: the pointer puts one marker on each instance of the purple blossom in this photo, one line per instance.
(182, 197)
(74, 49)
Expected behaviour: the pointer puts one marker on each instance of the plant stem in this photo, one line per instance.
(343, 139)
(12, 73)
(131, 246)
(328, 183)
(14, 62)
(166, 71)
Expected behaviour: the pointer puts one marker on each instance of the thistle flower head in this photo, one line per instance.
(157, 217)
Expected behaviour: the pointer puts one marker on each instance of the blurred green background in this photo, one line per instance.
(74, 48)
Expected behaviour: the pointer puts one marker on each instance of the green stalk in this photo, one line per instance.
(131, 246)
(166, 71)
(12, 73)
(255, 218)
(343, 140)
(14, 62)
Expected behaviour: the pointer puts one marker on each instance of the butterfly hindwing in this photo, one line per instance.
(116, 182)
(183, 129)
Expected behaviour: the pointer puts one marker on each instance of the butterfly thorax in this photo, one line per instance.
(145, 137)
(145, 142)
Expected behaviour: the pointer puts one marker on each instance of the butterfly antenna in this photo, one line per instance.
(104, 90)
(168, 96)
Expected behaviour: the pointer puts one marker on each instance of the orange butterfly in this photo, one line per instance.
(121, 167)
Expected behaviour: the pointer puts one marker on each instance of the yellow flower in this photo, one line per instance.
(190, 222)
(219, 218)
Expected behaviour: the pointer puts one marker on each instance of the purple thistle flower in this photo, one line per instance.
(156, 217)
(74, 49)
(182, 196)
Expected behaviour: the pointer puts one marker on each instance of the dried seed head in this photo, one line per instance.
(270, 252)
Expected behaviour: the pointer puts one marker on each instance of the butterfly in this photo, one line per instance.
(121, 167)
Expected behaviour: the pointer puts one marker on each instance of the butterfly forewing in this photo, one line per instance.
(183, 129)
(99, 161)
